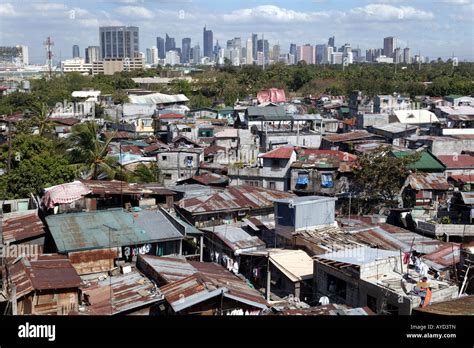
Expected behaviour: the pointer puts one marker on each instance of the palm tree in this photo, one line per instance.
(41, 118)
(89, 154)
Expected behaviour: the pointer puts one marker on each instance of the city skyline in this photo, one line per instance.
(425, 28)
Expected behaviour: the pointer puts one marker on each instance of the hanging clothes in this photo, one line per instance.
(235, 267)
(406, 258)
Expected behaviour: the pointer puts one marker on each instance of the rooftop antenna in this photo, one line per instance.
(48, 44)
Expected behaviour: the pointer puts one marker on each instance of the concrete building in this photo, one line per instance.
(375, 278)
(92, 54)
(207, 42)
(119, 42)
(185, 50)
(178, 164)
(160, 45)
(306, 53)
(406, 55)
(389, 44)
(154, 56)
(111, 66)
(76, 65)
(172, 58)
(249, 52)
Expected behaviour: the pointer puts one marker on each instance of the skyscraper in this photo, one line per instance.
(196, 54)
(254, 46)
(320, 53)
(249, 55)
(389, 44)
(332, 42)
(293, 50)
(148, 56)
(406, 55)
(276, 53)
(119, 42)
(306, 53)
(185, 50)
(170, 44)
(75, 51)
(92, 54)
(160, 45)
(207, 42)
(263, 46)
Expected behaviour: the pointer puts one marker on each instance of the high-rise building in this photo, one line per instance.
(185, 50)
(332, 42)
(197, 54)
(370, 55)
(293, 49)
(92, 54)
(389, 44)
(170, 44)
(249, 55)
(407, 56)
(14, 54)
(154, 56)
(306, 53)
(172, 57)
(119, 42)
(148, 56)
(254, 46)
(327, 56)
(319, 53)
(276, 52)
(397, 56)
(336, 57)
(264, 47)
(75, 51)
(208, 41)
(160, 45)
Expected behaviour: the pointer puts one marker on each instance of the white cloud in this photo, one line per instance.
(455, 2)
(49, 6)
(7, 10)
(135, 11)
(271, 13)
(383, 12)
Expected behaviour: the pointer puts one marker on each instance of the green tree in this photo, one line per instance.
(37, 162)
(89, 154)
(379, 176)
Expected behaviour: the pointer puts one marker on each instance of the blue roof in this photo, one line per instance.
(91, 230)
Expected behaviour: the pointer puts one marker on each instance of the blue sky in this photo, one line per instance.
(437, 28)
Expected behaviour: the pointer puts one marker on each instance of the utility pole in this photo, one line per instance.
(269, 277)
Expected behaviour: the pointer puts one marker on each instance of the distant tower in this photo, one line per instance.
(49, 55)
(75, 51)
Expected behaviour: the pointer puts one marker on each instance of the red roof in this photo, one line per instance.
(133, 149)
(168, 116)
(67, 121)
(459, 161)
(281, 152)
(213, 149)
(464, 178)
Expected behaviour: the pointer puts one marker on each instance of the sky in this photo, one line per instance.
(436, 28)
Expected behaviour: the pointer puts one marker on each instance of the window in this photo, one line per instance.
(164, 158)
(372, 303)
(336, 287)
(275, 164)
(272, 185)
(303, 180)
(205, 133)
(188, 161)
(326, 180)
(167, 176)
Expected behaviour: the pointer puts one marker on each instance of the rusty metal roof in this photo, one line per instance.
(210, 179)
(330, 309)
(129, 291)
(213, 149)
(169, 268)
(428, 181)
(459, 306)
(468, 197)
(233, 198)
(350, 136)
(44, 273)
(235, 237)
(101, 187)
(17, 228)
(211, 280)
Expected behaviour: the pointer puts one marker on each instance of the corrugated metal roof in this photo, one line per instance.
(427, 162)
(157, 98)
(330, 309)
(210, 179)
(44, 273)
(100, 187)
(90, 230)
(457, 161)
(210, 280)
(359, 255)
(459, 306)
(21, 227)
(351, 136)
(284, 152)
(235, 237)
(129, 291)
(170, 268)
(428, 181)
(233, 198)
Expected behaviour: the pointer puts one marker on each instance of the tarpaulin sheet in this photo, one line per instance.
(273, 95)
(64, 194)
